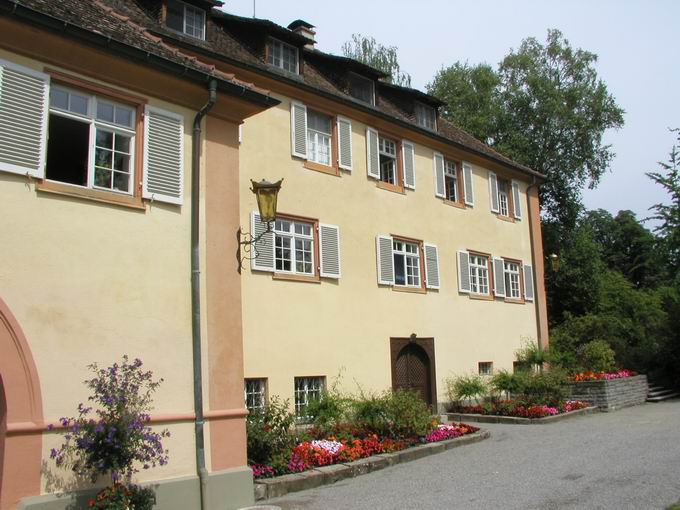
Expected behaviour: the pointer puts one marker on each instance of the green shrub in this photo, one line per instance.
(409, 414)
(506, 382)
(328, 410)
(372, 413)
(531, 355)
(465, 387)
(269, 432)
(535, 387)
(597, 356)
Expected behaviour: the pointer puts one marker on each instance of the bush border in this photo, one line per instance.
(512, 420)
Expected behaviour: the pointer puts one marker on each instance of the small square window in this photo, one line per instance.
(426, 116)
(255, 394)
(361, 88)
(307, 389)
(186, 18)
(485, 367)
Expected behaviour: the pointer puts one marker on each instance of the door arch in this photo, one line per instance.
(413, 367)
(21, 401)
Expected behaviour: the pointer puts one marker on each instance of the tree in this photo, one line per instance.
(627, 246)
(470, 96)
(669, 214)
(372, 53)
(549, 111)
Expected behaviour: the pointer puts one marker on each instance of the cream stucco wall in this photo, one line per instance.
(305, 329)
(89, 282)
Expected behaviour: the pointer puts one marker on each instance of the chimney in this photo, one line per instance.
(304, 29)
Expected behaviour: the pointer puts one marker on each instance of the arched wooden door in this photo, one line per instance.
(413, 366)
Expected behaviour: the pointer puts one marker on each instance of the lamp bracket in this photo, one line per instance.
(249, 243)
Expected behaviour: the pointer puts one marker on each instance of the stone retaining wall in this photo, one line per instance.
(612, 394)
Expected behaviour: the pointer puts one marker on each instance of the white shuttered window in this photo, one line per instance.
(329, 250)
(23, 119)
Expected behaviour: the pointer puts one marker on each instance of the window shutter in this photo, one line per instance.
(493, 192)
(517, 205)
(469, 190)
(431, 266)
(163, 156)
(263, 250)
(372, 154)
(498, 277)
(24, 108)
(298, 129)
(345, 143)
(385, 260)
(528, 282)
(329, 251)
(408, 153)
(439, 185)
(464, 272)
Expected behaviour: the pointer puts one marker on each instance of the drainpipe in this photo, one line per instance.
(196, 292)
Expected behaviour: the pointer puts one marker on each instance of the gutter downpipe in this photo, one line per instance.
(196, 293)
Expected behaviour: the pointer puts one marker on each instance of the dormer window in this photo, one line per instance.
(186, 18)
(426, 116)
(282, 55)
(361, 88)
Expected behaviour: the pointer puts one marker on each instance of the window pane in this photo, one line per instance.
(175, 15)
(399, 269)
(103, 158)
(104, 111)
(121, 181)
(102, 178)
(318, 122)
(121, 162)
(122, 143)
(123, 116)
(59, 98)
(78, 104)
(104, 139)
(67, 150)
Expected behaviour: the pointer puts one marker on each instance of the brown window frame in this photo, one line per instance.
(334, 167)
(421, 255)
(399, 167)
(460, 199)
(489, 266)
(133, 201)
(316, 277)
(511, 206)
(520, 264)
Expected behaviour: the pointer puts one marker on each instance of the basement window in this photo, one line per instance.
(185, 18)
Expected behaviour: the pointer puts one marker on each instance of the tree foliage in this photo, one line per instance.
(372, 53)
(545, 108)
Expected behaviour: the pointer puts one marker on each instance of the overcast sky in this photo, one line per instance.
(636, 42)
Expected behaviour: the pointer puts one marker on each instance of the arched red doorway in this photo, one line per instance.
(21, 414)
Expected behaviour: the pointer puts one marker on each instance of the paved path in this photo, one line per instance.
(628, 459)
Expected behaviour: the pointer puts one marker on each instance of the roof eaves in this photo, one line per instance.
(226, 83)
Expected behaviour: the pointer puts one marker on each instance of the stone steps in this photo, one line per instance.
(658, 393)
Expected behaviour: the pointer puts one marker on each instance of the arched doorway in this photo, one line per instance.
(413, 366)
(21, 415)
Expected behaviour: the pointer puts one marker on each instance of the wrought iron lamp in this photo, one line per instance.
(266, 194)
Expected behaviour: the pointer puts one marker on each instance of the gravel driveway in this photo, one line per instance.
(624, 459)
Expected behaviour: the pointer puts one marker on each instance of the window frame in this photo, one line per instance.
(137, 104)
(460, 182)
(296, 392)
(421, 263)
(520, 273)
(334, 167)
(269, 47)
(264, 392)
(315, 277)
(510, 216)
(489, 267)
(484, 373)
(421, 108)
(186, 5)
(355, 76)
(398, 186)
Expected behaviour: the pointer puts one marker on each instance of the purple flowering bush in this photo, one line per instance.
(113, 437)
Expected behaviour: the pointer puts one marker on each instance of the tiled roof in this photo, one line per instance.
(104, 18)
(240, 41)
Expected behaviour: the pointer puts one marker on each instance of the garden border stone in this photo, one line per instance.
(611, 394)
(268, 488)
(512, 420)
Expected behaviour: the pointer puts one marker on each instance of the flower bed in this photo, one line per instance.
(598, 376)
(521, 408)
(618, 390)
(351, 444)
